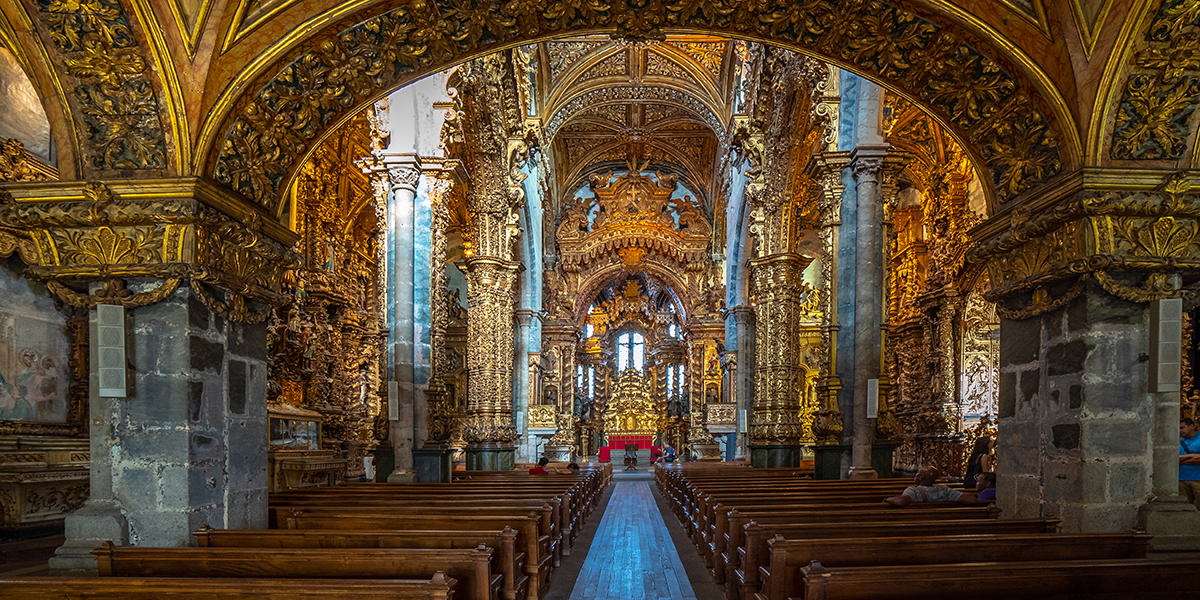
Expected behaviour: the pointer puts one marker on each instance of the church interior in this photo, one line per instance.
(747, 266)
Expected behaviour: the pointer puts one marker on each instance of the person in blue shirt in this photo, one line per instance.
(1189, 461)
(985, 487)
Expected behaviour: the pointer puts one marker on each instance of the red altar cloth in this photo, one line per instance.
(607, 452)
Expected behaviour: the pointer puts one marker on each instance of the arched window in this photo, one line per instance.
(631, 352)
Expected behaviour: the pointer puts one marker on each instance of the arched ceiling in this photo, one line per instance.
(607, 104)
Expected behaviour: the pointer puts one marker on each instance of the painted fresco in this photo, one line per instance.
(33, 352)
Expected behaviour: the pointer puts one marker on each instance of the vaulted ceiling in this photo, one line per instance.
(607, 104)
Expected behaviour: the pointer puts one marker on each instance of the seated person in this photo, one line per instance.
(540, 469)
(985, 487)
(925, 491)
(669, 454)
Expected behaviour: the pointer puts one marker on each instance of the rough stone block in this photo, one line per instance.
(1062, 480)
(1130, 481)
(173, 484)
(1007, 402)
(1095, 480)
(157, 399)
(247, 509)
(165, 445)
(1066, 358)
(1020, 341)
(206, 485)
(247, 463)
(160, 528)
(1031, 380)
(1069, 512)
(1118, 516)
(206, 355)
(236, 388)
(205, 449)
(1076, 396)
(137, 486)
(1114, 438)
(195, 400)
(1065, 436)
(199, 316)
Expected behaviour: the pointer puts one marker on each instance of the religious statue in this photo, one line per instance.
(551, 398)
(301, 293)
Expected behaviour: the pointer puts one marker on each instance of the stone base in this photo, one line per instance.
(1174, 524)
(98, 521)
(827, 460)
(881, 457)
(385, 462)
(433, 463)
(773, 457)
(557, 453)
(490, 458)
(402, 476)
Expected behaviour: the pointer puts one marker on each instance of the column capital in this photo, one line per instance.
(525, 316)
(177, 231)
(742, 314)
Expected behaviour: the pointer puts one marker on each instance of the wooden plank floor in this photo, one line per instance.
(632, 556)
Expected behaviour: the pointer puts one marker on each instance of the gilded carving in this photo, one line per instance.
(117, 101)
(1160, 94)
(931, 59)
(17, 166)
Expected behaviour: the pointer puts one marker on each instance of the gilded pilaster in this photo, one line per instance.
(827, 170)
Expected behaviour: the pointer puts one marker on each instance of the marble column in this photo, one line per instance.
(742, 378)
(524, 387)
(867, 164)
(404, 174)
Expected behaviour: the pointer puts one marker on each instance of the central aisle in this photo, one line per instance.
(632, 556)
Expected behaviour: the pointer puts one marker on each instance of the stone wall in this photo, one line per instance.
(188, 445)
(1075, 418)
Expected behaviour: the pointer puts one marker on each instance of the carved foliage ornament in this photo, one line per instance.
(336, 74)
(115, 98)
(1161, 92)
(1100, 234)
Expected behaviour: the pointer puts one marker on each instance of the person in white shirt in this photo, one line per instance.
(925, 491)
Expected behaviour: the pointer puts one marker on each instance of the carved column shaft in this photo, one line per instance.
(775, 419)
(490, 292)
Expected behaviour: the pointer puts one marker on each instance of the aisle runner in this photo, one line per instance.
(632, 556)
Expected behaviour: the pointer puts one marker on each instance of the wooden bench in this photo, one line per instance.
(782, 577)
(535, 547)
(509, 563)
(743, 563)
(438, 587)
(1093, 580)
(731, 536)
(557, 523)
(472, 568)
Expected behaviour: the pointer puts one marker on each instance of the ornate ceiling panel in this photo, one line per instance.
(607, 103)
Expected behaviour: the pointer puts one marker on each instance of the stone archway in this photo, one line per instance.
(1018, 129)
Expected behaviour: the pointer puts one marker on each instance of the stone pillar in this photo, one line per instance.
(867, 162)
(1083, 435)
(432, 459)
(742, 375)
(525, 391)
(188, 446)
(775, 428)
(404, 174)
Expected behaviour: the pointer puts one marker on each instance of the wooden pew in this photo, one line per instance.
(535, 547)
(782, 577)
(1094, 580)
(509, 563)
(743, 563)
(438, 587)
(551, 525)
(472, 568)
(731, 536)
